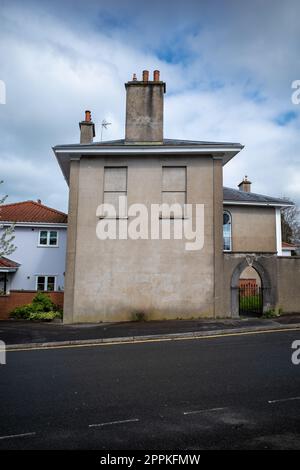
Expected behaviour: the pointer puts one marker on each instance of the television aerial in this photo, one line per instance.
(104, 125)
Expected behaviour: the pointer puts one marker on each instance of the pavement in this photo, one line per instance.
(222, 392)
(25, 334)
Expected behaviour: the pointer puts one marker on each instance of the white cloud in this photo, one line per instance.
(55, 67)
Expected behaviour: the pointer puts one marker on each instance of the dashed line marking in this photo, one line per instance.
(283, 400)
(203, 411)
(13, 436)
(109, 423)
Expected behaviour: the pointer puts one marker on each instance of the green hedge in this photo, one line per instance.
(41, 308)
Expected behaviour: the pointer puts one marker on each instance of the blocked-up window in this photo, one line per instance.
(115, 186)
(174, 187)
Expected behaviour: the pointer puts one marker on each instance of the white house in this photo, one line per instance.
(288, 249)
(38, 263)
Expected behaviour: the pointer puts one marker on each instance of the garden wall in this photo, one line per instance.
(289, 284)
(17, 298)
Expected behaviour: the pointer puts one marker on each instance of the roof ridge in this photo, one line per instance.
(35, 203)
(47, 207)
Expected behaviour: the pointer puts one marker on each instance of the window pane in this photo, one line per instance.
(53, 238)
(226, 218)
(43, 237)
(115, 179)
(41, 283)
(227, 243)
(113, 199)
(226, 231)
(174, 179)
(51, 283)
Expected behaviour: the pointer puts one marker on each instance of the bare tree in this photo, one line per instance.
(291, 225)
(6, 236)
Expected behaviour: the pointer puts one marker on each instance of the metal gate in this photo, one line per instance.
(250, 300)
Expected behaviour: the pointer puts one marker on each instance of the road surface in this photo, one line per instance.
(230, 392)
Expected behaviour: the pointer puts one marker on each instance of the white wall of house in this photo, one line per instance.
(37, 260)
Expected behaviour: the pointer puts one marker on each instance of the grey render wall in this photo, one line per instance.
(37, 260)
(111, 280)
(289, 284)
(253, 228)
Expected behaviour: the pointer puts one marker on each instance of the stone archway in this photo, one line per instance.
(269, 290)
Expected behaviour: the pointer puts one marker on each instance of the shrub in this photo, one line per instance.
(41, 308)
(45, 316)
(21, 312)
(272, 313)
(42, 302)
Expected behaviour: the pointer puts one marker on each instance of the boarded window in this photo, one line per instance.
(115, 185)
(174, 187)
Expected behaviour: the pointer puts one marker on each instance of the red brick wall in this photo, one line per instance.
(17, 298)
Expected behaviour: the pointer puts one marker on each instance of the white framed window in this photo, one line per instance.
(46, 283)
(48, 238)
(174, 188)
(115, 186)
(227, 231)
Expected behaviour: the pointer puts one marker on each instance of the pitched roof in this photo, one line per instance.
(235, 195)
(31, 211)
(8, 263)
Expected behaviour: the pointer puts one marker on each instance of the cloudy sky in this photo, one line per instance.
(229, 66)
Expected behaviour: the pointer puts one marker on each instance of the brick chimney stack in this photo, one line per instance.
(144, 109)
(245, 185)
(87, 129)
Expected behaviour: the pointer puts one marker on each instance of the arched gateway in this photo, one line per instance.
(268, 290)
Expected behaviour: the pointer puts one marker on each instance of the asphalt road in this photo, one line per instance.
(24, 331)
(234, 392)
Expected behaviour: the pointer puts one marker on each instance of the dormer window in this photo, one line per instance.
(227, 238)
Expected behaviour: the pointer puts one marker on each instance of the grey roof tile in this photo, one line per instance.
(230, 194)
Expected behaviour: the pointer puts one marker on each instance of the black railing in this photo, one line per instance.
(250, 300)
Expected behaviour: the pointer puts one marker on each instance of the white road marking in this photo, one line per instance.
(12, 436)
(113, 422)
(203, 411)
(283, 399)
